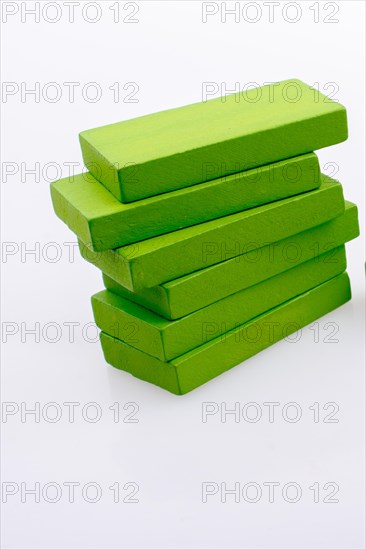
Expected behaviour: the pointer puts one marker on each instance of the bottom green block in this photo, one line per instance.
(188, 371)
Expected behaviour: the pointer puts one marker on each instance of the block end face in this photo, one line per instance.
(138, 364)
(101, 167)
(64, 209)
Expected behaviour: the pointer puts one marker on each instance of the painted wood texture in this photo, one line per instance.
(194, 291)
(103, 222)
(159, 259)
(179, 147)
(151, 333)
(187, 372)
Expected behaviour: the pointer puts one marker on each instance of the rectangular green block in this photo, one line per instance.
(200, 365)
(166, 340)
(159, 259)
(180, 147)
(103, 222)
(194, 291)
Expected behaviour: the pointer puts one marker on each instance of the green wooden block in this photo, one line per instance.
(177, 148)
(184, 373)
(103, 222)
(166, 340)
(191, 292)
(159, 259)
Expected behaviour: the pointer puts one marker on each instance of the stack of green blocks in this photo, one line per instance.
(216, 233)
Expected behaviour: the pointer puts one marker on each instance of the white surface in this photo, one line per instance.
(170, 452)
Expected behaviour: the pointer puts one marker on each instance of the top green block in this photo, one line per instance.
(177, 148)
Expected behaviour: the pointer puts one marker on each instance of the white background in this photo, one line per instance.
(169, 53)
